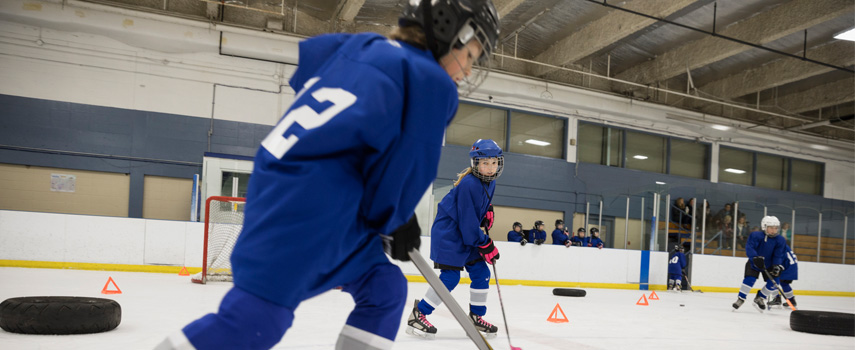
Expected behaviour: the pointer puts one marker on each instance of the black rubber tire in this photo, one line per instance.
(568, 292)
(59, 315)
(823, 322)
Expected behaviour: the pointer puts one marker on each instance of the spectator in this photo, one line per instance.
(516, 235)
(559, 236)
(786, 231)
(537, 235)
(726, 211)
(595, 240)
(726, 231)
(580, 240)
(679, 213)
(742, 231)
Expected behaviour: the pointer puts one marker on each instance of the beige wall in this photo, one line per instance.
(506, 216)
(28, 188)
(167, 198)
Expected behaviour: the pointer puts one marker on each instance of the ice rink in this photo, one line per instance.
(153, 305)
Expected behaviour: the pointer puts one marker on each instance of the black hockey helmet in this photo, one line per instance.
(580, 230)
(559, 222)
(595, 231)
(517, 224)
(687, 246)
(538, 223)
(452, 23)
(678, 248)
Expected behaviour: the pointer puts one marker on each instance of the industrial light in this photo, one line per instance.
(847, 35)
(721, 127)
(638, 156)
(820, 147)
(735, 171)
(660, 183)
(537, 142)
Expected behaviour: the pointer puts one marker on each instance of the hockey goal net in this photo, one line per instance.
(223, 224)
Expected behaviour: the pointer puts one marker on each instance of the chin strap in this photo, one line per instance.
(427, 14)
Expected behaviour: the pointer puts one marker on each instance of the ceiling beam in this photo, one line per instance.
(780, 21)
(504, 7)
(349, 9)
(605, 31)
(782, 71)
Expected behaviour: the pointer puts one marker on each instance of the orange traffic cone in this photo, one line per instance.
(553, 317)
(105, 291)
(183, 272)
(653, 295)
(642, 301)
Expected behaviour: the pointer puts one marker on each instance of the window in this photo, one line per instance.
(646, 152)
(689, 158)
(735, 166)
(599, 144)
(771, 172)
(476, 122)
(807, 177)
(228, 180)
(537, 135)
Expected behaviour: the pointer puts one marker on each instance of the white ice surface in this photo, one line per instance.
(154, 305)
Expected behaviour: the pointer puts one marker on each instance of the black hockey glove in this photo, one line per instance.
(538, 241)
(776, 270)
(759, 262)
(403, 239)
(523, 241)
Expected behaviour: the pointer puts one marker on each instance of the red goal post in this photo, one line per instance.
(223, 224)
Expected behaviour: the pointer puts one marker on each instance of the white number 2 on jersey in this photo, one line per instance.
(277, 143)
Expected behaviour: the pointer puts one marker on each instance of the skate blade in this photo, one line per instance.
(756, 307)
(488, 335)
(420, 334)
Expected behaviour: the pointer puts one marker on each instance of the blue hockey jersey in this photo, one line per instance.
(771, 248)
(514, 236)
(350, 160)
(456, 233)
(559, 237)
(535, 234)
(791, 265)
(580, 241)
(677, 263)
(595, 242)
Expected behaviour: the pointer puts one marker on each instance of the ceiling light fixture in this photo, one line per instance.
(638, 156)
(847, 35)
(735, 171)
(660, 183)
(721, 127)
(537, 142)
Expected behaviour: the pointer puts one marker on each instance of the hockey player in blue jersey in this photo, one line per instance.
(559, 237)
(356, 150)
(516, 235)
(676, 264)
(457, 242)
(765, 251)
(579, 240)
(594, 240)
(537, 235)
(790, 274)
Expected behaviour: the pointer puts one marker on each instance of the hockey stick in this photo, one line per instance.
(778, 288)
(502, 305)
(449, 301)
(689, 283)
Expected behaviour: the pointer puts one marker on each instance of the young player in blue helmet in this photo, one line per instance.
(790, 274)
(516, 235)
(676, 264)
(559, 236)
(356, 150)
(594, 240)
(537, 234)
(765, 251)
(579, 240)
(457, 242)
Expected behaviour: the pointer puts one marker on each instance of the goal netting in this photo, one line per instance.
(223, 224)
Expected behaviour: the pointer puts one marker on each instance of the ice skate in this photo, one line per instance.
(759, 303)
(418, 325)
(793, 301)
(484, 327)
(774, 302)
(738, 303)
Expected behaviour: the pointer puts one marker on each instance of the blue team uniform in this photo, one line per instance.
(514, 236)
(595, 242)
(350, 159)
(455, 238)
(559, 237)
(580, 241)
(773, 250)
(535, 234)
(790, 273)
(676, 265)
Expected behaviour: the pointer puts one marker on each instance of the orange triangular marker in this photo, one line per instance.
(183, 272)
(653, 295)
(553, 317)
(642, 301)
(105, 291)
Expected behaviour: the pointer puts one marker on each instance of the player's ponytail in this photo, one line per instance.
(461, 175)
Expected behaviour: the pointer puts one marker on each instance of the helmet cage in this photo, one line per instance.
(487, 178)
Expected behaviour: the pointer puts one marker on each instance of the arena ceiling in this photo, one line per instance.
(771, 63)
